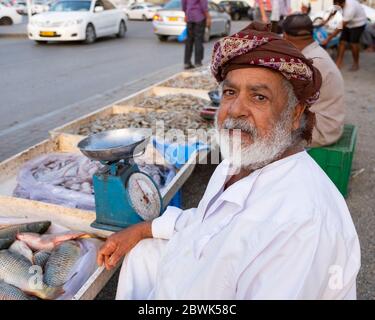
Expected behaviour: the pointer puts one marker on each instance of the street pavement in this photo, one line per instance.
(45, 86)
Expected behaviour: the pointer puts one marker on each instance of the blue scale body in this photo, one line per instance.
(112, 202)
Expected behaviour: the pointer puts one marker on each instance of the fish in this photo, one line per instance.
(23, 249)
(17, 271)
(41, 258)
(10, 232)
(49, 241)
(9, 292)
(5, 243)
(61, 262)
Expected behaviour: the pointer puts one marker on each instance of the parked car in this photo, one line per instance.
(237, 9)
(169, 21)
(141, 11)
(9, 15)
(71, 20)
(19, 5)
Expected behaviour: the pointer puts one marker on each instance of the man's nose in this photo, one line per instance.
(237, 108)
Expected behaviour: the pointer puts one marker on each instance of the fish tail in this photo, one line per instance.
(49, 293)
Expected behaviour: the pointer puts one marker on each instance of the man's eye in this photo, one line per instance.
(228, 92)
(260, 97)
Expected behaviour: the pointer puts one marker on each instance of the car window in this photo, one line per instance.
(173, 5)
(108, 5)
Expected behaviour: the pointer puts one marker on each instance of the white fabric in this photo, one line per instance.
(354, 14)
(283, 232)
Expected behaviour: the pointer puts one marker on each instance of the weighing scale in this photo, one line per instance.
(123, 195)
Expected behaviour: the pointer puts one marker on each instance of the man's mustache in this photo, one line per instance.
(240, 124)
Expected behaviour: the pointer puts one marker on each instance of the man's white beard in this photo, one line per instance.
(261, 151)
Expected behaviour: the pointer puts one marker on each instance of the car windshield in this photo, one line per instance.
(174, 4)
(71, 6)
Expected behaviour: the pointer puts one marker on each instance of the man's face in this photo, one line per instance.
(255, 101)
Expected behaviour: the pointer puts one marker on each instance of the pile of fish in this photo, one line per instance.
(66, 179)
(202, 80)
(178, 112)
(36, 265)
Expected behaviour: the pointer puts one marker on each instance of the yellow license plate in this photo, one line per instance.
(173, 19)
(47, 33)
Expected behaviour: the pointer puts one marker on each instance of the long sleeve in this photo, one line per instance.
(172, 220)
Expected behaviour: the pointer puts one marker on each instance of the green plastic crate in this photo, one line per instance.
(336, 159)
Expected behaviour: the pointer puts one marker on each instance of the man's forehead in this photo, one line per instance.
(256, 78)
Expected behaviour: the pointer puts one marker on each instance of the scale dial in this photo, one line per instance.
(144, 196)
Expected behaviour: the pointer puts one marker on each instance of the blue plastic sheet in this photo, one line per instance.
(182, 36)
(178, 154)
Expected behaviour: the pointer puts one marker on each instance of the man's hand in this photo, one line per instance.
(264, 19)
(185, 18)
(324, 43)
(120, 243)
(208, 21)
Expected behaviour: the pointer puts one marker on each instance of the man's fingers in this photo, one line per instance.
(116, 257)
(106, 250)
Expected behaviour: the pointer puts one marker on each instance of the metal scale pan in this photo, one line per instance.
(115, 145)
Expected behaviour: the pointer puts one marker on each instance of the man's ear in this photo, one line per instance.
(298, 112)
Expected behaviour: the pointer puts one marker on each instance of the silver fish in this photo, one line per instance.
(16, 270)
(11, 231)
(5, 243)
(22, 248)
(61, 262)
(41, 258)
(9, 292)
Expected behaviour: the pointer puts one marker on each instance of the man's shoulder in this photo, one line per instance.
(301, 190)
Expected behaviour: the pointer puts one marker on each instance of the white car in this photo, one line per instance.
(9, 15)
(70, 20)
(170, 21)
(141, 11)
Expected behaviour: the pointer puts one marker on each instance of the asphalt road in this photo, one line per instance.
(44, 86)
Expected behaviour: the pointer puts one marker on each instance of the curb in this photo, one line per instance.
(13, 35)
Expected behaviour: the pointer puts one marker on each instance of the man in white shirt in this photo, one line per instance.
(353, 25)
(271, 225)
(330, 108)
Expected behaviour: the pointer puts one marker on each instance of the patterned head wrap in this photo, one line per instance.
(257, 46)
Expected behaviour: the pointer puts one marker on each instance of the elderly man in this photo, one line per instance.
(271, 225)
(330, 108)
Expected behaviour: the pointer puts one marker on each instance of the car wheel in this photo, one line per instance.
(121, 30)
(6, 21)
(236, 16)
(163, 38)
(90, 34)
(227, 29)
(207, 35)
(144, 18)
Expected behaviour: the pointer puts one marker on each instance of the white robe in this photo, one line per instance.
(283, 232)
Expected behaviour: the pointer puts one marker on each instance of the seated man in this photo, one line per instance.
(271, 225)
(330, 108)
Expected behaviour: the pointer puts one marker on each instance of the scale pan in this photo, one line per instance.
(115, 145)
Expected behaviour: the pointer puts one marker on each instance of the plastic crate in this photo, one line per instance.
(336, 159)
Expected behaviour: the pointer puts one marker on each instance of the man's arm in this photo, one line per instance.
(262, 11)
(334, 34)
(204, 8)
(163, 227)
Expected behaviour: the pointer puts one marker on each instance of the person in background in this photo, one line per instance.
(306, 7)
(353, 25)
(330, 108)
(274, 11)
(368, 37)
(197, 19)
